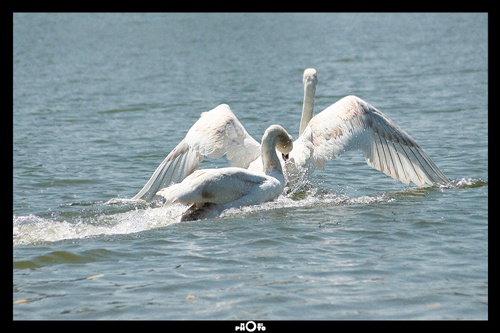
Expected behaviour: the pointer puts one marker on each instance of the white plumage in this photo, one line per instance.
(216, 133)
(349, 124)
(211, 191)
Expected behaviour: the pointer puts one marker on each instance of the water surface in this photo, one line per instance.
(100, 99)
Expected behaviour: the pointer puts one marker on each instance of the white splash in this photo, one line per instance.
(32, 229)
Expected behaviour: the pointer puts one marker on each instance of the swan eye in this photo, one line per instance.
(285, 157)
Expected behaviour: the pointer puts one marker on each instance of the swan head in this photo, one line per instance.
(275, 139)
(310, 77)
(285, 146)
(280, 138)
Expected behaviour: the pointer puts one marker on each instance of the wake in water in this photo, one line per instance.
(125, 216)
(33, 229)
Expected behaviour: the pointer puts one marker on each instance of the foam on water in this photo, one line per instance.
(32, 229)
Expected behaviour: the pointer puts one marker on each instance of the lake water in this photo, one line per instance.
(100, 99)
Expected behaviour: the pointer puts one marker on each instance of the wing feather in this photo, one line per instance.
(353, 124)
(216, 133)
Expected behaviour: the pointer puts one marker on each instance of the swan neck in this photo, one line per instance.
(270, 160)
(307, 105)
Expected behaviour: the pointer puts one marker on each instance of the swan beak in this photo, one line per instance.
(285, 157)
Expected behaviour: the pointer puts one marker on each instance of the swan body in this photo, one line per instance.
(348, 124)
(211, 191)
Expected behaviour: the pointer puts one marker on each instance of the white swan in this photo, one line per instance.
(348, 124)
(211, 191)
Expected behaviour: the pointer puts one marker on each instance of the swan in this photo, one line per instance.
(211, 191)
(348, 124)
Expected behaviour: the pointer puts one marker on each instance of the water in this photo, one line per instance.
(100, 99)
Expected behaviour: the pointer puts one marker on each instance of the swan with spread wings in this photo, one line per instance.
(348, 124)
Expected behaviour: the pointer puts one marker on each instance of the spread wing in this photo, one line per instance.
(353, 124)
(216, 133)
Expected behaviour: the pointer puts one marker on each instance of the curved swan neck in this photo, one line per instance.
(310, 80)
(274, 134)
(270, 160)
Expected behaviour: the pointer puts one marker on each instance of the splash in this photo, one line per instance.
(123, 216)
(33, 229)
(469, 183)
